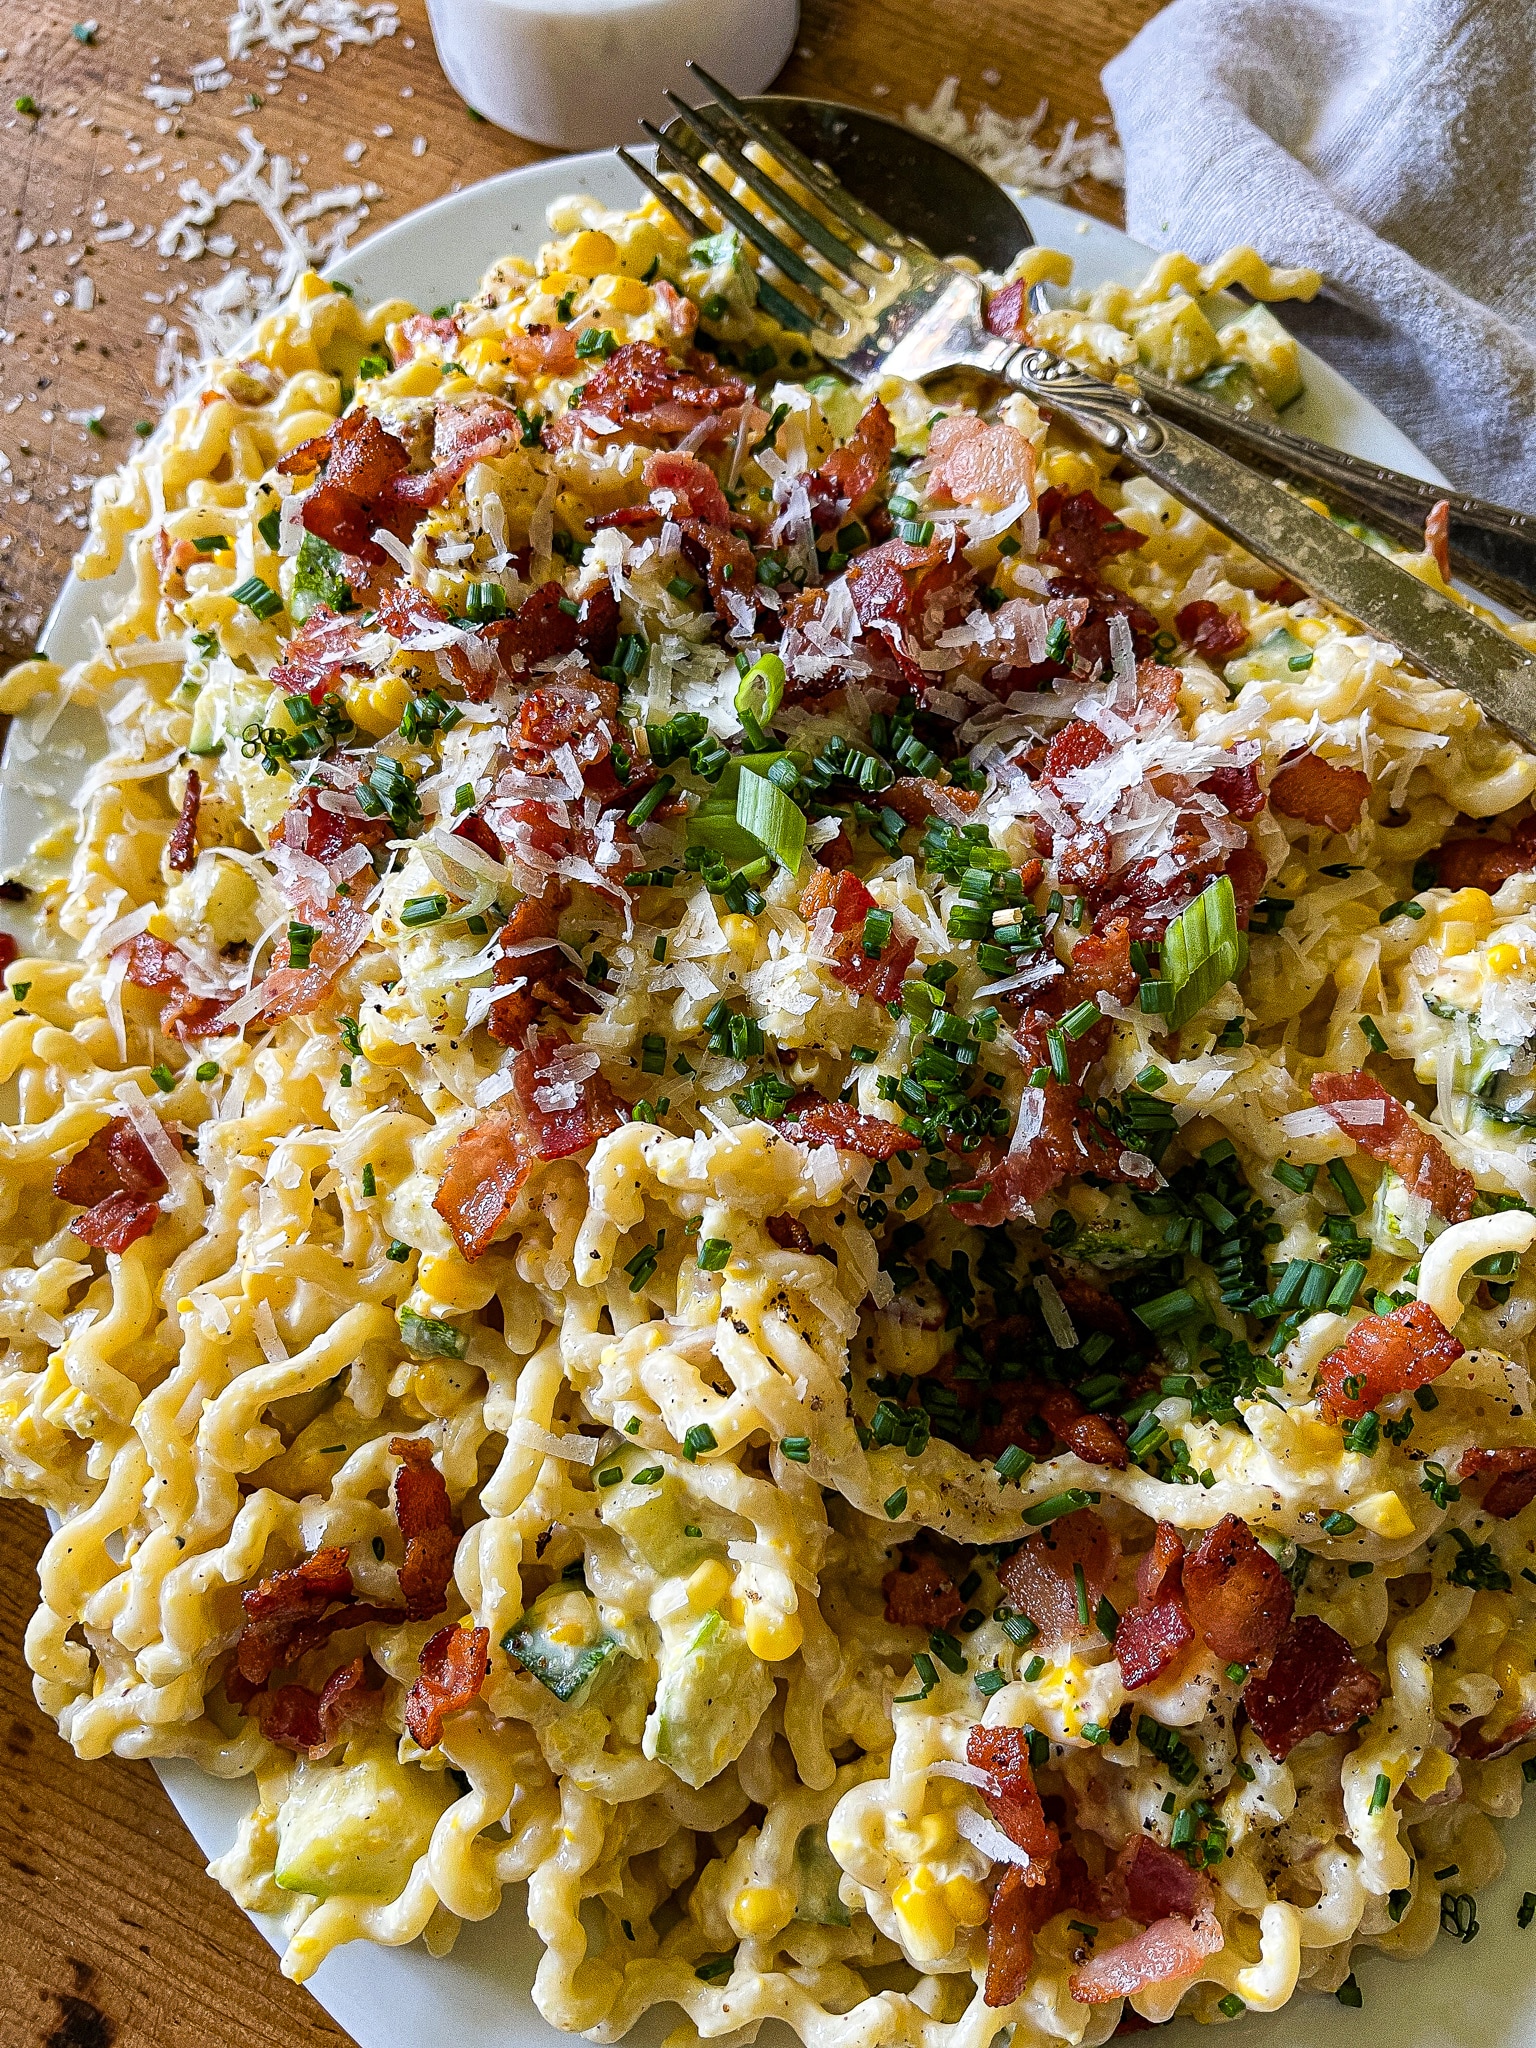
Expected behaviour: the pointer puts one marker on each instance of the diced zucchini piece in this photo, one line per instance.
(1257, 339)
(560, 1641)
(1174, 338)
(841, 406)
(1235, 385)
(817, 1875)
(317, 580)
(356, 1829)
(1269, 662)
(711, 1696)
(1112, 1234)
(653, 1518)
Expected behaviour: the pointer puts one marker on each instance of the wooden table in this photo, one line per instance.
(115, 1937)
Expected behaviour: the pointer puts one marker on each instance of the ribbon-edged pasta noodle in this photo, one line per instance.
(770, 1161)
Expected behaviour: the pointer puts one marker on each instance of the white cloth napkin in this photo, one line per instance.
(1392, 145)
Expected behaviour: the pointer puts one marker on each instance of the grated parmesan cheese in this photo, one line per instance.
(1004, 146)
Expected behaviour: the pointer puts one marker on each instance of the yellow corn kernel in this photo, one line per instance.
(1068, 471)
(1432, 1773)
(160, 926)
(591, 253)
(740, 933)
(559, 282)
(380, 1048)
(377, 703)
(966, 1899)
(1502, 959)
(771, 1635)
(936, 1834)
(1385, 1514)
(625, 294)
(1475, 905)
(709, 1585)
(481, 353)
(453, 1283)
(760, 1910)
(1458, 937)
(569, 1633)
(927, 1923)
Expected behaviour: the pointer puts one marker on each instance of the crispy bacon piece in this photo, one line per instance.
(470, 430)
(1469, 1740)
(1237, 788)
(1383, 1356)
(724, 559)
(1169, 1949)
(116, 1180)
(1083, 532)
(535, 981)
(319, 654)
(1092, 1437)
(157, 964)
(181, 854)
(919, 1593)
(1315, 1683)
(1011, 1798)
(789, 1233)
(1414, 1154)
(850, 903)
(916, 799)
(848, 482)
(1069, 1143)
(810, 1120)
(541, 351)
(487, 1167)
(539, 631)
(1437, 535)
(492, 1160)
(1320, 793)
(1486, 863)
(353, 498)
(1040, 1581)
(1238, 1598)
(1012, 1924)
(1144, 892)
(296, 991)
(1100, 965)
(298, 1718)
(325, 835)
(1209, 630)
(422, 328)
(895, 582)
(640, 388)
(1155, 1633)
(453, 1667)
(971, 463)
(285, 1615)
(1091, 1308)
(573, 711)
(1511, 1476)
(1148, 1882)
(694, 486)
(425, 1515)
(597, 626)
(1007, 315)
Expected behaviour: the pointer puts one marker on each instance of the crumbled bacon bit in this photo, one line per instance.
(1147, 1882)
(894, 582)
(298, 1718)
(1161, 1572)
(789, 1233)
(1486, 863)
(811, 1120)
(1012, 1798)
(453, 1668)
(1238, 1598)
(470, 430)
(971, 463)
(640, 388)
(1092, 1437)
(1100, 965)
(1169, 1949)
(425, 1515)
(1012, 1924)
(319, 654)
(353, 497)
(296, 991)
(1470, 1741)
(116, 1223)
(1238, 788)
(541, 629)
(1383, 1356)
(917, 799)
(575, 711)
(1084, 532)
(9, 951)
(325, 835)
(1007, 315)
(535, 981)
(850, 903)
(919, 1593)
(724, 559)
(117, 1181)
(181, 853)
(1040, 1581)
(422, 328)
(1417, 1156)
(1320, 792)
(1437, 535)
(539, 349)
(1151, 1640)
(1315, 1683)
(693, 484)
(286, 1616)
(849, 480)
(1511, 1475)
(560, 1131)
(1209, 630)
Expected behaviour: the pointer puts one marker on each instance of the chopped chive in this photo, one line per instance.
(1381, 1792)
(1344, 1181)
(699, 1438)
(1339, 1524)
(1401, 910)
(1033, 1669)
(797, 1449)
(206, 1070)
(1372, 1034)
(1058, 1504)
(896, 1504)
(714, 1253)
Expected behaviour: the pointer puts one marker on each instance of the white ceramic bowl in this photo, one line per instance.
(580, 73)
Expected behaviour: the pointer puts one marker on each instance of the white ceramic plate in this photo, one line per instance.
(479, 1996)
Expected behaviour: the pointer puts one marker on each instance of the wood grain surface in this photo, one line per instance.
(114, 1937)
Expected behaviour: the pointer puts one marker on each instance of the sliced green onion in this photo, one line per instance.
(1058, 1504)
(257, 597)
(714, 1253)
(773, 820)
(699, 1438)
(759, 695)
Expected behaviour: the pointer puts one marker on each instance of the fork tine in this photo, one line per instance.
(769, 297)
(834, 196)
(805, 223)
(761, 238)
(685, 217)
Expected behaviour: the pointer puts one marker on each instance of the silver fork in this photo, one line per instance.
(892, 308)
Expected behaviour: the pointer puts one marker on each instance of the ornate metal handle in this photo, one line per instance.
(1118, 419)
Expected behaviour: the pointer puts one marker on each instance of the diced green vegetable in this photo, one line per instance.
(1269, 662)
(539, 1641)
(429, 1338)
(774, 820)
(317, 580)
(817, 1876)
(355, 1830)
(654, 1519)
(711, 1695)
(1202, 951)
(1257, 339)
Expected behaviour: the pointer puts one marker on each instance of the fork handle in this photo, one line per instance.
(1437, 635)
